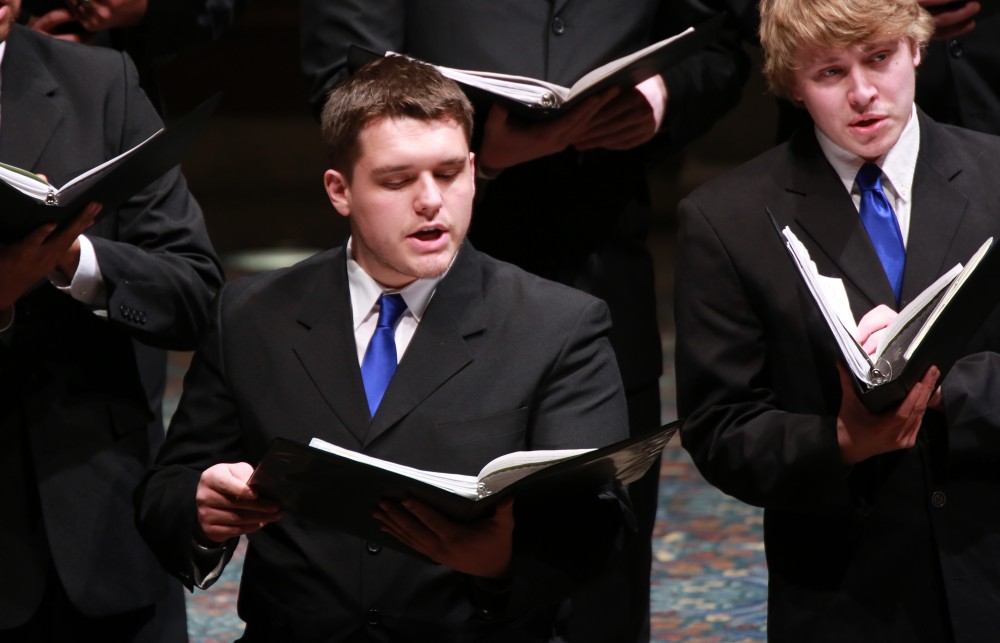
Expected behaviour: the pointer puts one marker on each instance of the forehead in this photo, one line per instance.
(411, 139)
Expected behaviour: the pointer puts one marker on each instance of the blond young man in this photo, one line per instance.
(877, 527)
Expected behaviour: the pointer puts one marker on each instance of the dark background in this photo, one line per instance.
(257, 171)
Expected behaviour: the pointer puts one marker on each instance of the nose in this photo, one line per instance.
(427, 200)
(862, 91)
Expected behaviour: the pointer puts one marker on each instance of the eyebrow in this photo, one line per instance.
(867, 49)
(389, 169)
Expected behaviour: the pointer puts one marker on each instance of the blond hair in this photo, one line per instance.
(789, 26)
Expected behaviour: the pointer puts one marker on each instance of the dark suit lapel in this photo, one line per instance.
(326, 347)
(29, 105)
(938, 213)
(558, 6)
(438, 349)
(816, 200)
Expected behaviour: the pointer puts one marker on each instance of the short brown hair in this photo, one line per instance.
(390, 87)
(788, 26)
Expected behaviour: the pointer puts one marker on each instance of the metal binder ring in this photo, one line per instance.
(882, 372)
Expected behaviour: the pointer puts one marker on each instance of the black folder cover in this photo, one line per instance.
(22, 213)
(946, 341)
(341, 493)
(628, 76)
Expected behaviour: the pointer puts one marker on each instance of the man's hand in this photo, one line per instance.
(629, 120)
(92, 15)
(26, 262)
(872, 327)
(227, 507)
(951, 19)
(480, 549)
(508, 141)
(61, 24)
(861, 434)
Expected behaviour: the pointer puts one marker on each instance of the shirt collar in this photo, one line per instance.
(365, 291)
(898, 164)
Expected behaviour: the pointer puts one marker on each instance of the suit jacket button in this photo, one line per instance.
(374, 617)
(558, 26)
(955, 48)
(938, 499)
(373, 547)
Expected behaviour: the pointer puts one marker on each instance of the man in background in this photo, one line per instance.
(150, 31)
(85, 313)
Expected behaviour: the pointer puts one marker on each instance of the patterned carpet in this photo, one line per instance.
(709, 576)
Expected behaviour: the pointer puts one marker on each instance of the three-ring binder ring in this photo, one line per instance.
(881, 372)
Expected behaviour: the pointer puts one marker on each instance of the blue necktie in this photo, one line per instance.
(379, 362)
(880, 222)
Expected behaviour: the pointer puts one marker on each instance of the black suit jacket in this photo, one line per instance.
(501, 361)
(959, 79)
(579, 219)
(79, 393)
(901, 547)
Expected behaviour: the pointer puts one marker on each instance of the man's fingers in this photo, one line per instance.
(38, 236)
(952, 22)
(402, 517)
(915, 403)
(872, 342)
(585, 112)
(78, 225)
(48, 22)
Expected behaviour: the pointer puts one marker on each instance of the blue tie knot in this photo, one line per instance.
(391, 308)
(869, 178)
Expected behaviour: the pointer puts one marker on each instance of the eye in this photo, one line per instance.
(881, 56)
(396, 182)
(829, 72)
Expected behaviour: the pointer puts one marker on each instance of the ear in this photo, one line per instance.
(339, 191)
(795, 94)
(472, 170)
(915, 50)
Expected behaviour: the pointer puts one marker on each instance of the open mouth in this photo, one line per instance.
(428, 234)
(866, 122)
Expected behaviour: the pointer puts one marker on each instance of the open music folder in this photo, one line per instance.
(339, 488)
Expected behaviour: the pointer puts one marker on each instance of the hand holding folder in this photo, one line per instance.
(341, 489)
(28, 200)
(933, 329)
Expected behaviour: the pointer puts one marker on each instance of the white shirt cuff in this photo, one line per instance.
(87, 285)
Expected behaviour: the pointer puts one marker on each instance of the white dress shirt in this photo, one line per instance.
(365, 293)
(898, 166)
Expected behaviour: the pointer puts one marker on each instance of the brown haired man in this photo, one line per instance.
(489, 359)
(877, 527)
